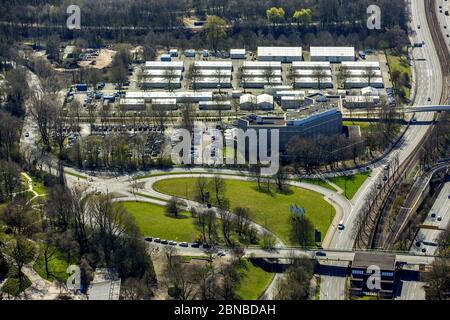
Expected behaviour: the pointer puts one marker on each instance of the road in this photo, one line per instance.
(427, 237)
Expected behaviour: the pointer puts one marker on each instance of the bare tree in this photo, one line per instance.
(170, 77)
(43, 111)
(319, 74)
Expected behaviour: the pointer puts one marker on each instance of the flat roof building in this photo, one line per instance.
(311, 122)
(264, 102)
(164, 65)
(247, 102)
(214, 105)
(360, 65)
(361, 82)
(261, 65)
(128, 104)
(214, 65)
(180, 96)
(360, 273)
(164, 104)
(311, 65)
(282, 54)
(237, 53)
(260, 82)
(332, 54)
(311, 82)
(353, 102)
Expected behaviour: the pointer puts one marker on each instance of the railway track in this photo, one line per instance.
(367, 235)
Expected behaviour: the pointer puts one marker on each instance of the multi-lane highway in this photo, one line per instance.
(438, 217)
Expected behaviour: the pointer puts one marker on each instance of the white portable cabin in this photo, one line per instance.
(332, 54)
(247, 102)
(163, 65)
(364, 73)
(311, 82)
(273, 89)
(132, 104)
(311, 65)
(264, 102)
(260, 82)
(213, 82)
(164, 104)
(214, 105)
(214, 65)
(360, 65)
(261, 65)
(189, 53)
(359, 82)
(161, 72)
(261, 72)
(281, 54)
(311, 73)
(180, 96)
(161, 83)
(237, 53)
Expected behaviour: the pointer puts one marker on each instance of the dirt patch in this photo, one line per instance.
(103, 60)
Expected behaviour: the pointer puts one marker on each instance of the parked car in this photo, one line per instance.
(173, 243)
(164, 242)
(320, 254)
(433, 215)
(184, 244)
(207, 246)
(148, 239)
(221, 253)
(158, 240)
(439, 218)
(195, 245)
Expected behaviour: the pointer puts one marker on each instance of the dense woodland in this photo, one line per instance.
(249, 24)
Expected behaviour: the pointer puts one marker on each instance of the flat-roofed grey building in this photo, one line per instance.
(310, 123)
(362, 268)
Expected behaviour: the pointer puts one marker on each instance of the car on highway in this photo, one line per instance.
(341, 225)
(184, 244)
(439, 218)
(433, 215)
(157, 240)
(148, 239)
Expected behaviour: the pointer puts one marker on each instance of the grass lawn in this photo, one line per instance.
(318, 182)
(269, 210)
(152, 221)
(39, 187)
(350, 184)
(400, 64)
(254, 281)
(57, 267)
